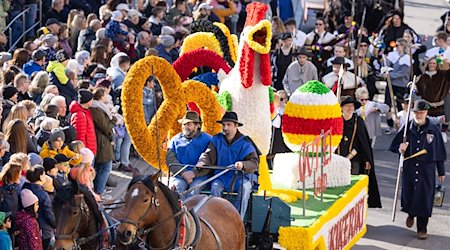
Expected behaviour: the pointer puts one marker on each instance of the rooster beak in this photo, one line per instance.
(259, 37)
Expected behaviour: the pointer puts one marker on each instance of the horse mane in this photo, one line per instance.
(67, 193)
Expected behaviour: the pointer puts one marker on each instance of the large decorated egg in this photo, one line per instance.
(311, 108)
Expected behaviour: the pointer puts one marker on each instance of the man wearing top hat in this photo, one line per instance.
(419, 172)
(232, 148)
(348, 78)
(185, 148)
(299, 72)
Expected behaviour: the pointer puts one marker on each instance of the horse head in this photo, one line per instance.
(142, 207)
(75, 216)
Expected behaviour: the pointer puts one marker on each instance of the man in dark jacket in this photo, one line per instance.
(56, 11)
(419, 173)
(36, 63)
(88, 35)
(143, 42)
(232, 148)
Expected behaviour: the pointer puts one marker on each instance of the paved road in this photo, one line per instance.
(423, 16)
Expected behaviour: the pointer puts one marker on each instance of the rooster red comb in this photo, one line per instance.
(255, 13)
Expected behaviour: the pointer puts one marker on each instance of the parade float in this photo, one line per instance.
(326, 207)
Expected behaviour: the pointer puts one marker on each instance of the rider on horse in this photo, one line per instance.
(227, 148)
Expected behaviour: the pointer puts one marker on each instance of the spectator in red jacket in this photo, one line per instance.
(29, 237)
(82, 121)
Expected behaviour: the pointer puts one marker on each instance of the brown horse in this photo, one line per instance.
(79, 222)
(152, 211)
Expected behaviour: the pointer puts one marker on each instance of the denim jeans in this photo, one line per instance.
(181, 185)
(101, 176)
(122, 149)
(30, 18)
(217, 189)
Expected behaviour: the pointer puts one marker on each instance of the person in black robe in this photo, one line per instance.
(281, 59)
(355, 145)
(419, 173)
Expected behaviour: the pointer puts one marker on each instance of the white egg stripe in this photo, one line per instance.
(313, 99)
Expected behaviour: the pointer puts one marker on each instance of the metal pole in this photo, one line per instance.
(10, 37)
(40, 12)
(321, 161)
(304, 186)
(23, 25)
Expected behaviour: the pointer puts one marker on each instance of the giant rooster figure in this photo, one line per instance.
(250, 78)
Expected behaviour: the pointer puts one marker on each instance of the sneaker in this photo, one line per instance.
(422, 235)
(106, 197)
(390, 131)
(409, 221)
(444, 136)
(125, 168)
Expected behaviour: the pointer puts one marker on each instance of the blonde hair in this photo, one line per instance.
(30, 105)
(21, 159)
(18, 111)
(76, 145)
(361, 91)
(39, 83)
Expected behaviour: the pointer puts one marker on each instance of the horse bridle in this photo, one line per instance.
(84, 208)
(142, 231)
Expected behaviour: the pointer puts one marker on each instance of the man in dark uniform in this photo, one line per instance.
(418, 185)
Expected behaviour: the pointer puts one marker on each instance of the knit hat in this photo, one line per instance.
(62, 55)
(38, 55)
(84, 96)
(49, 163)
(311, 108)
(28, 198)
(35, 159)
(87, 155)
(60, 158)
(57, 133)
(9, 91)
(116, 15)
(167, 40)
(167, 30)
(3, 217)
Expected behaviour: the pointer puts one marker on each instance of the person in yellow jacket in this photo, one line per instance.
(59, 67)
(55, 145)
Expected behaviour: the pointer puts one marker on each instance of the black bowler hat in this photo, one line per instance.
(230, 117)
(348, 99)
(420, 105)
(286, 35)
(302, 51)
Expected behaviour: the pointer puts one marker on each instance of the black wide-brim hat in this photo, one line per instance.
(230, 117)
(348, 99)
(302, 51)
(421, 105)
(340, 60)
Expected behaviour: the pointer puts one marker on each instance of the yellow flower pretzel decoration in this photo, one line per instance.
(148, 141)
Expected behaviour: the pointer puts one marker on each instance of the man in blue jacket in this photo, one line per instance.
(36, 63)
(232, 148)
(419, 173)
(184, 149)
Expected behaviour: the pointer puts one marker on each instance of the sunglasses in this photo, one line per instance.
(360, 57)
(363, 45)
(319, 24)
(364, 100)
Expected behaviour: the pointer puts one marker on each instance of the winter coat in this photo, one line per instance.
(162, 52)
(30, 67)
(7, 105)
(42, 136)
(67, 90)
(48, 151)
(46, 218)
(10, 198)
(60, 71)
(82, 120)
(104, 134)
(85, 39)
(5, 240)
(29, 237)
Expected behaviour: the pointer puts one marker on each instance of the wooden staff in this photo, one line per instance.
(391, 90)
(402, 159)
(358, 47)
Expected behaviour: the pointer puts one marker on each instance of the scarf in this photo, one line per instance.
(104, 107)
